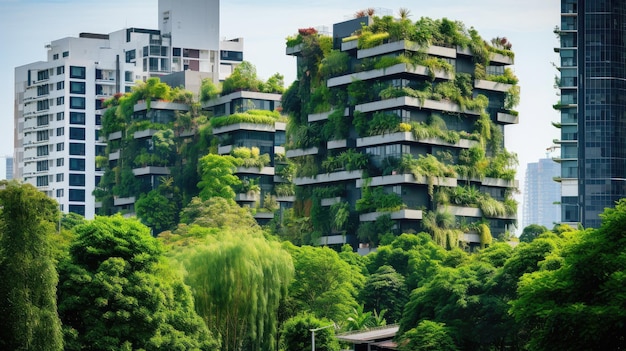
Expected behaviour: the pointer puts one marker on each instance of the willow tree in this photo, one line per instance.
(238, 283)
(29, 319)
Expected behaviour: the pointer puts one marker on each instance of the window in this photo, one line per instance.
(41, 75)
(77, 179)
(60, 131)
(154, 64)
(98, 120)
(43, 105)
(60, 177)
(77, 72)
(42, 135)
(130, 55)
(60, 100)
(43, 90)
(55, 56)
(99, 104)
(66, 53)
(176, 52)
(77, 102)
(59, 193)
(61, 85)
(77, 87)
(77, 195)
(77, 133)
(60, 146)
(77, 149)
(42, 166)
(42, 180)
(42, 150)
(100, 150)
(60, 116)
(128, 76)
(98, 74)
(77, 118)
(42, 120)
(77, 164)
(61, 69)
(78, 209)
(60, 162)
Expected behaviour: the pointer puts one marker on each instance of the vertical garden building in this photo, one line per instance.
(398, 126)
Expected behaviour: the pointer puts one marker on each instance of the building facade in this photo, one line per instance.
(592, 107)
(397, 133)
(58, 101)
(542, 194)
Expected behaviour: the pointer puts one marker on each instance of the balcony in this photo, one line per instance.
(337, 144)
(493, 86)
(114, 155)
(506, 118)
(396, 215)
(302, 152)
(294, 50)
(224, 149)
(146, 133)
(257, 127)
(115, 135)
(315, 117)
(151, 170)
(399, 69)
(329, 201)
(247, 197)
(123, 201)
(407, 101)
(407, 179)
(285, 198)
(350, 45)
(161, 105)
(399, 137)
(474, 212)
(405, 45)
(329, 177)
(264, 215)
(255, 170)
(332, 240)
(502, 183)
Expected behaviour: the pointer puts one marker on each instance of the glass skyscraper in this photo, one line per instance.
(593, 105)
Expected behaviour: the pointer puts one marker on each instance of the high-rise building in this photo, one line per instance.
(396, 132)
(593, 108)
(58, 101)
(6, 167)
(542, 194)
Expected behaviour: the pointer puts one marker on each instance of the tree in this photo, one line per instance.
(239, 281)
(385, 290)
(427, 336)
(580, 302)
(296, 334)
(217, 176)
(28, 290)
(324, 284)
(216, 212)
(531, 232)
(117, 292)
(244, 77)
(158, 209)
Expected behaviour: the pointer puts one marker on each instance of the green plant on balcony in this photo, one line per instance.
(441, 226)
(334, 64)
(376, 200)
(249, 186)
(269, 203)
(338, 125)
(383, 123)
(502, 165)
(427, 166)
(329, 191)
(250, 157)
(434, 64)
(302, 136)
(307, 166)
(284, 189)
(507, 77)
(250, 116)
(340, 213)
(472, 163)
(368, 39)
(512, 97)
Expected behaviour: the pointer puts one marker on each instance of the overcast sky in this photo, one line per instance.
(27, 25)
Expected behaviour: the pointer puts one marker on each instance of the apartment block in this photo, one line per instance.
(394, 132)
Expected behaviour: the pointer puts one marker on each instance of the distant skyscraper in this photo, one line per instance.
(593, 108)
(58, 101)
(6, 167)
(542, 194)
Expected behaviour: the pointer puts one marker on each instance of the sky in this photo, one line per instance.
(26, 26)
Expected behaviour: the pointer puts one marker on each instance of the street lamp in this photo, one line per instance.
(313, 334)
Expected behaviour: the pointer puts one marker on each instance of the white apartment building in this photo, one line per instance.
(58, 101)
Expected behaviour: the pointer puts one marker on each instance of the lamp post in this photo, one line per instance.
(313, 334)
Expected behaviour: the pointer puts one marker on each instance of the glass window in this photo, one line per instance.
(77, 102)
(130, 55)
(60, 100)
(77, 195)
(77, 87)
(77, 164)
(42, 180)
(42, 150)
(77, 179)
(61, 85)
(77, 72)
(60, 69)
(128, 76)
(42, 166)
(60, 131)
(98, 120)
(43, 105)
(66, 53)
(60, 116)
(43, 90)
(77, 118)
(60, 162)
(78, 209)
(42, 120)
(77, 149)
(60, 146)
(55, 56)
(60, 177)
(41, 75)
(42, 135)
(59, 193)
(77, 133)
